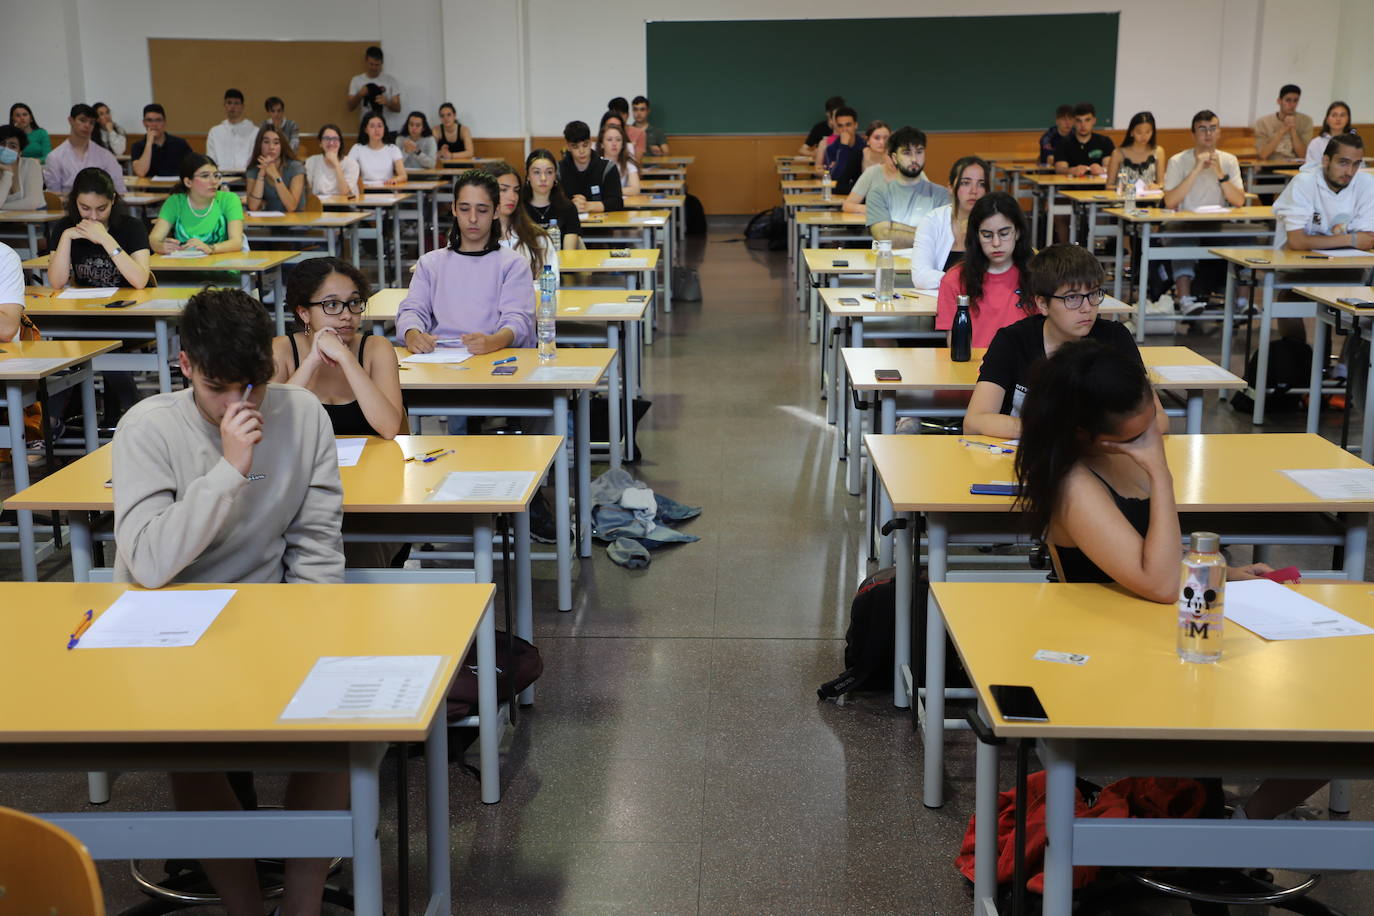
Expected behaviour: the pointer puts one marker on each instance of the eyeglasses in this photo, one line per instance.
(1075, 301)
(357, 305)
(214, 175)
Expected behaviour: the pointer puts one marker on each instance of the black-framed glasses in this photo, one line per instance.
(1075, 301)
(356, 305)
(214, 175)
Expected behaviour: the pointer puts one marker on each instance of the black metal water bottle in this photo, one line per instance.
(961, 334)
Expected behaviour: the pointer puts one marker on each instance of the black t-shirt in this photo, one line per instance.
(91, 266)
(599, 181)
(1018, 347)
(166, 159)
(564, 212)
(457, 147)
(1096, 151)
(818, 133)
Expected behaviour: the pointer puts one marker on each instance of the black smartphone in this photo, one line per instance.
(839, 263)
(503, 370)
(887, 375)
(1257, 261)
(639, 298)
(119, 303)
(1018, 703)
(848, 300)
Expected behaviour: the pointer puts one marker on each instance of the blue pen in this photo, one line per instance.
(436, 457)
(508, 359)
(987, 446)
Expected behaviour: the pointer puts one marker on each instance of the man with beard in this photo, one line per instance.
(894, 209)
(1329, 207)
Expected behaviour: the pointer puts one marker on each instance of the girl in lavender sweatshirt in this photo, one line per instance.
(474, 290)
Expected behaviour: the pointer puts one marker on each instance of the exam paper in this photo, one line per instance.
(441, 355)
(30, 364)
(565, 374)
(365, 687)
(483, 486)
(266, 213)
(186, 254)
(627, 263)
(349, 451)
(157, 305)
(611, 308)
(165, 619)
(1336, 483)
(77, 292)
(1209, 208)
(236, 263)
(1191, 373)
(1343, 253)
(1271, 611)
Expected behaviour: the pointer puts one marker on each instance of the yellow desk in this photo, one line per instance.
(423, 189)
(669, 160)
(663, 184)
(31, 220)
(291, 224)
(824, 266)
(1044, 187)
(1313, 270)
(469, 162)
(808, 227)
(1335, 303)
(1238, 476)
(170, 709)
(379, 203)
(1265, 710)
(655, 228)
(640, 266)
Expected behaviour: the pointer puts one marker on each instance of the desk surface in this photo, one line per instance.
(370, 199)
(41, 301)
(475, 374)
(307, 219)
(1212, 473)
(914, 302)
(861, 260)
(31, 216)
(654, 201)
(1161, 215)
(409, 185)
(381, 482)
(571, 304)
(228, 260)
(669, 160)
(67, 353)
(599, 260)
(1133, 685)
(813, 200)
(235, 682)
(1332, 296)
(831, 218)
(624, 219)
(1067, 181)
(1283, 259)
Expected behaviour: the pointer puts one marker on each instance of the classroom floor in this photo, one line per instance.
(677, 760)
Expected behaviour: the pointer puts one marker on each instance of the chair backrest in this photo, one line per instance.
(54, 201)
(312, 204)
(44, 869)
(1054, 559)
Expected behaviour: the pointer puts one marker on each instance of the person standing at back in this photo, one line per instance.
(591, 183)
(158, 153)
(376, 91)
(80, 152)
(230, 142)
(1285, 133)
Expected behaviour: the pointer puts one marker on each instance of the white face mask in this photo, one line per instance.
(7, 156)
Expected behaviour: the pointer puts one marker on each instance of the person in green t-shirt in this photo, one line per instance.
(39, 144)
(199, 216)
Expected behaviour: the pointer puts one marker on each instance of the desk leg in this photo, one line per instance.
(331, 240)
(1228, 316)
(353, 245)
(380, 221)
(437, 834)
(901, 633)
(364, 804)
(1193, 416)
(164, 355)
(33, 239)
(1314, 380)
(397, 268)
(1367, 427)
(1142, 283)
(1120, 268)
(845, 393)
(889, 420)
(584, 465)
(1265, 332)
(14, 409)
(1073, 223)
(1060, 774)
(79, 530)
(488, 725)
(1356, 541)
(434, 219)
(1035, 211)
(562, 521)
(937, 544)
(614, 406)
(1092, 229)
(632, 334)
(524, 591)
(830, 357)
(279, 299)
(650, 313)
(985, 813)
(90, 423)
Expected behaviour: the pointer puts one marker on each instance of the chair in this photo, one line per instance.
(54, 201)
(44, 869)
(312, 204)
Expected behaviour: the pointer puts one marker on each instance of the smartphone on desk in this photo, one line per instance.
(638, 298)
(887, 375)
(503, 370)
(1018, 703)
(849, 300)
(839, 262)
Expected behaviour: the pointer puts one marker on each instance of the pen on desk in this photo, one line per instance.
(448, 340)
(987, 446)
(82, 625)
(508, 359)
(433, 451)
(1315, 257)
(435, 457)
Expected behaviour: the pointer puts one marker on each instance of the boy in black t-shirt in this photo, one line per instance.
(591, 183)
(1083, 152)
(1066, 286)
(822, 129)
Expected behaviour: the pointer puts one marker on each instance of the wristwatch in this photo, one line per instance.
(116, 252)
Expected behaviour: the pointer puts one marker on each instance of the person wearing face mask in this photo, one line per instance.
(940, 237)
(230, 142)
(329, 172)
(79, 152)
(545, 201)
(519, 233)
(453, 140)
(276, 179)
(994, 273)
(895, 208)
(21, 178)
(591, 183)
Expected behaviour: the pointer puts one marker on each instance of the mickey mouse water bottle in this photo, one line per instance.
(1201, 599)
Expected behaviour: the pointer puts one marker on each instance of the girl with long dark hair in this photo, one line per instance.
(1138, 157)
(943, 231)
(993, 274)
(1336, 122)
(545, 201)
(518, 232)
(98, 243)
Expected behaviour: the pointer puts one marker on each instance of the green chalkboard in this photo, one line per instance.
(937, 73)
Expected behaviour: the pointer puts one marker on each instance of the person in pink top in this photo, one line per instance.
(993, 274)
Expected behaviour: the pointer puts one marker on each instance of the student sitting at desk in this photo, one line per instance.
(1066, 286)
(823, 128)
(21, 178)
(417, 143)
(453, 140)
(1083, 152)
(1062, 127)
(107, 133)
(232, 480)
(379, 162)
(276, 117)
(895, 208)
(940, 237)
(519, 233)
(328, 172)
(612, 146)
(655, 141)
(98, 243)
(843, 156)
(1284, 134)
(993, 274)
(11, 293)
(198, 215)
(1329, 207)
(591, 183)
(614, 117)
(545, 201)
(276, 179)
(634, 136)
(38, 144)
(1336, 122)
(877, 167)
(230, 142)
(1138, 158)
(158, 153)
(79, 152)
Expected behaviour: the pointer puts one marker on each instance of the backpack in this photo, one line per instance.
(513, 654)
(686, 284)
(695, 214)
(767, 230)
(1290, 366)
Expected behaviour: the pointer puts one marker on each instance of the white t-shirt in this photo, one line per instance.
(320, 177)
(934, 242)
(1206, 189)
(1309, 204)
(1315, 151)
(550, 254)
(11, 277)
(230, 145)
(395, 120)
(376, 164)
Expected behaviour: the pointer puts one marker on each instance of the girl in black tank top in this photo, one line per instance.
(347, 419)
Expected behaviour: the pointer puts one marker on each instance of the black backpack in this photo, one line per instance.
(695, 214)
(1290, 366)
(767, 230)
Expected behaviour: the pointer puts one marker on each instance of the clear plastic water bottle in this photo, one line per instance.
(886, 269)
(555, 236)
(548, 281)
(827, 186)
(1201, 599)
(961, 333)
(1121, 183)
(1129, 195)
(544, 325)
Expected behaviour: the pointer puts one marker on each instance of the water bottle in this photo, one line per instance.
(961, 333)
(886, 269)
(1121, 182)
(544, 325)
(548, 281)
(1129, 194)
(1201, 599)
(555, 236)
(827, 185)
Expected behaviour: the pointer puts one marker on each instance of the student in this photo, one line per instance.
(232, 480)
(98, 243)
(823, 128)
(877, 166)
(1138, 157)
(634, 135)
(1203, 176)
(519, 232)
(158, 153)
(107, 133)
(1284, 134)
(474, 291)
(616, 118)
(453, 140)
(199, 215)
(1329, 207)
(379, 162)
(1083, 152)
(1058, 132)
(940, 237)
(545, 201)
(1336, 122)
(39, 144)
(416, 142)
(378, 92)
(21, 178)
(276, 179)
(993, 274)
(612, 146)
(276, 117)
(11, 293)
(842, 158)
(895, 208)
(591, 183)
(1066, 286)
(329, 173)
(230, 142)
(79, 152)
(354, 375)
(655, 141)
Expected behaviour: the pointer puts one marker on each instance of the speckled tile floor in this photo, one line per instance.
(676, 760)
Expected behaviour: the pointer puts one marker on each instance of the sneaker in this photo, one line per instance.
(1190, 306)
(1164, 305)
(907, 426)
(543, 526)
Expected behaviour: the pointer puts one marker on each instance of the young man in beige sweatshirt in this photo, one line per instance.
(233, 480)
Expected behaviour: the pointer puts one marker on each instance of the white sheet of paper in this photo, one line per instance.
(648, 220)
(1336, 483)
(77, 292)
(1344, 253)
(30, 364)
(236, 263)
(1210, 208)
(611, 308)
(564, 374)
(165, 178)
(627, 263)
(142, 620)
(266, 213)
(157, 304)
(349, 451)
(365, 687)
(1191, 373)
(1273, 611)
(482, 486)
(441, 355)
(186, 254)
